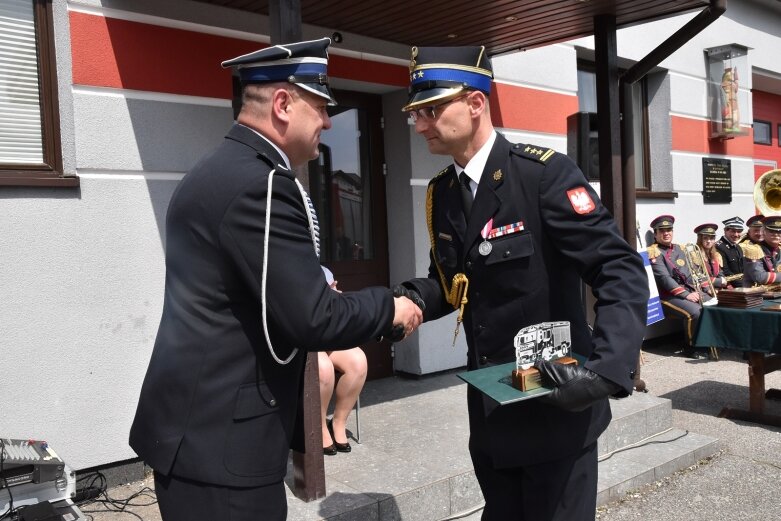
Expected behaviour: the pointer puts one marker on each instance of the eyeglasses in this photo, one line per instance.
(430, 113)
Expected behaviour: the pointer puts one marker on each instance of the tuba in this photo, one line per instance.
(767, 193)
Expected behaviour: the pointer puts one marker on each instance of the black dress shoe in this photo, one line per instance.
(330, 450)
(340, 447)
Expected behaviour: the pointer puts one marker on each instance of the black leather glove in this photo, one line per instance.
(402, 291)
(397, 332)
(575, 387)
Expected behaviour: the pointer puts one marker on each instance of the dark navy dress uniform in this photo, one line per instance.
(732, 256)
(217, 412)
(547, 231)
(732, 253)
(530, 276)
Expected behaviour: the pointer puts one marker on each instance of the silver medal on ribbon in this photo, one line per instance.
(485, 248)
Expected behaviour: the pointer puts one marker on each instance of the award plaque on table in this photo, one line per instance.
(519, 380)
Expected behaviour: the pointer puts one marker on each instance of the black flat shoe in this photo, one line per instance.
(340, 447)
(330, 450)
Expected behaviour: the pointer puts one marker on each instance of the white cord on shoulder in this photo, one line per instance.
(265, 261)
(314, 225)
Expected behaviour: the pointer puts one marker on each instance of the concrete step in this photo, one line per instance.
(652, 459)
(635, 418)
(414, 462)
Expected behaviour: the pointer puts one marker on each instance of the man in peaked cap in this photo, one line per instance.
(678, 292)
(755, 232)
(515, 229)
(245, 300)
(763, 260)
(731, 252)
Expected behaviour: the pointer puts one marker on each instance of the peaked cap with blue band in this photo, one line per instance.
(439, 74)
(302, 63)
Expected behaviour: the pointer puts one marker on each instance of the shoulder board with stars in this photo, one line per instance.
(439, 176)
(535, 153)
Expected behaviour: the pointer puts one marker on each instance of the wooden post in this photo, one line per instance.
(308, 467)
(285, 21)
(609, 126)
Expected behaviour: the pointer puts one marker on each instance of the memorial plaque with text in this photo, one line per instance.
(716, 181)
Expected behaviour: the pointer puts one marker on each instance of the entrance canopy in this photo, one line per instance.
(501, 25)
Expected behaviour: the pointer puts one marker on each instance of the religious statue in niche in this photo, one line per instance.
(730, 114)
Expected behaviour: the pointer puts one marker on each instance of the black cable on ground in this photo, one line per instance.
(94, 493)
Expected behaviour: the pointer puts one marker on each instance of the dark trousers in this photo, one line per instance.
(561, 490)
(182, 499)
(687, 311)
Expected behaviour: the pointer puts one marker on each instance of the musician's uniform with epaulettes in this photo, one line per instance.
(715, 270)
(674, 282)
(761, 265)
(732, 257)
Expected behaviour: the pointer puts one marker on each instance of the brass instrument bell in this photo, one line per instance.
(767, 193)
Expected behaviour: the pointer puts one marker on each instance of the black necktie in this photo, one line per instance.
(466, 194)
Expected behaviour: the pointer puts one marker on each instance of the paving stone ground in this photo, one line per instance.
(741, 481)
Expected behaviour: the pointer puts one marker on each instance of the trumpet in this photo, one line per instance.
(737, 276)
(695, 262)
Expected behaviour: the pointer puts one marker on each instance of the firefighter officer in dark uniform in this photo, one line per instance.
(245, 299)
(731, 252)
(514, 230)
(679, 294)
(763, 261)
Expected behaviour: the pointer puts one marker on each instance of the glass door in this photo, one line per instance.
(347, 187)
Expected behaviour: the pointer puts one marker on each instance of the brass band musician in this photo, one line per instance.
(706, 242)
(755, 232)
(680, 295)
(731, 252)
(763, 261)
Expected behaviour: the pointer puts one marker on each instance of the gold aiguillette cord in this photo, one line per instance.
(458, 295)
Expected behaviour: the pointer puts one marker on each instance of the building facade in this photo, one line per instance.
(136, 95)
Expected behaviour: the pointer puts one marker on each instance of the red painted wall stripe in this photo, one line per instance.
(534, 110)
(693, 135)
(767, 107)
(109, 52)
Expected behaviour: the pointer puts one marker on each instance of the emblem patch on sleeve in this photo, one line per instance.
(580, 200)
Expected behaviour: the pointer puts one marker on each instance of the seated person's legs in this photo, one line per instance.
(352, 364)
(326, 390)
(689, 312)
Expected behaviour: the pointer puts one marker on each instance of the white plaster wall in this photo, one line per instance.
(116, 130)
(83, 269)
(533, 68)
(82, 280)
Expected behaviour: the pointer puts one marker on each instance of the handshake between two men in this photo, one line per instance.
(409, 313)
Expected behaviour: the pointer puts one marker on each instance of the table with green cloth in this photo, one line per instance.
(756, 332)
